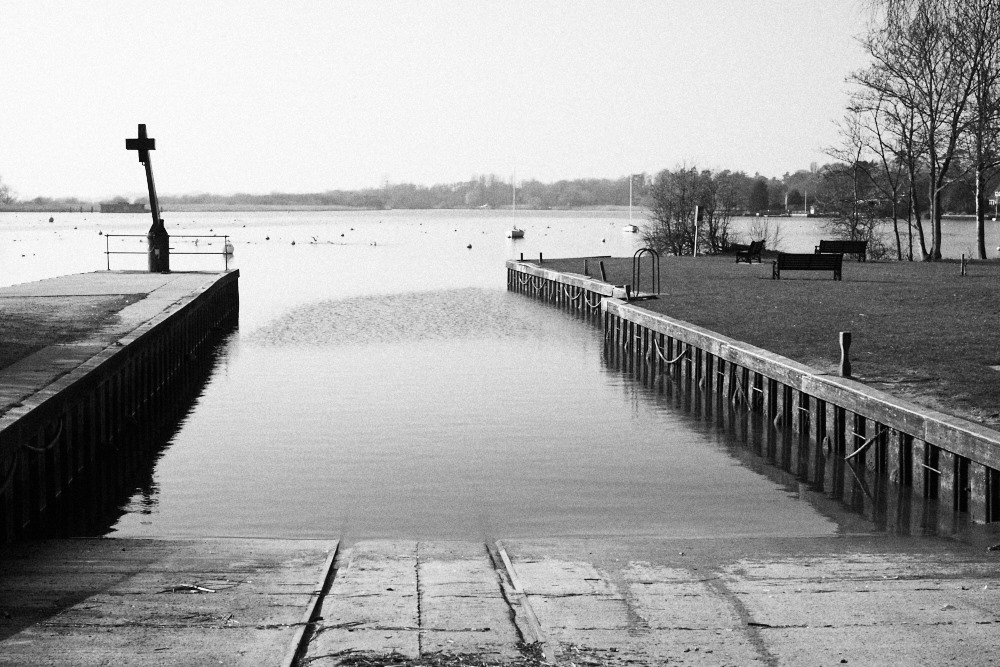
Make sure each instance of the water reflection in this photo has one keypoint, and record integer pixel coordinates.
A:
(121, 479)
(855, 493)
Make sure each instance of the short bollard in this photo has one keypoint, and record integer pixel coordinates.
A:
(845, 351)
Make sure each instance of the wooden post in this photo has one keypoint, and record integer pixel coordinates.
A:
(845, 351)
(604, 276)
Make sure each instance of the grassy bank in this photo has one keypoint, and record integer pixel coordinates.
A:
(920, 330)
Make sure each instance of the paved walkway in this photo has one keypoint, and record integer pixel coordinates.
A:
(151, 602)
(849, 600)
(53, 326)
(861, 600)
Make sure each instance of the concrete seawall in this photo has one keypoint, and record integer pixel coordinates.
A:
(936, 455)
(66, 408)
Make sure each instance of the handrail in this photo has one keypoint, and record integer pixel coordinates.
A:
(226, 255)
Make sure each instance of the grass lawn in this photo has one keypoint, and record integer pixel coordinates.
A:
(920, 330)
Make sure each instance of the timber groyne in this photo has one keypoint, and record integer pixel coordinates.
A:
(836, 420)
(73, 414)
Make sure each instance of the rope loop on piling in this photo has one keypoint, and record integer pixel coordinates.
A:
(523, 278)
(538, 282)
(570, 295)
(52, 442)
(684, 352)
(586, 298)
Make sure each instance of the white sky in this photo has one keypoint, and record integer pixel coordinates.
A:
(300, 96)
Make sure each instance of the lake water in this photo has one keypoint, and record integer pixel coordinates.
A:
(383, 383)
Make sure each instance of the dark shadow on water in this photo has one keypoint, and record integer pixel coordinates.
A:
(125, 468)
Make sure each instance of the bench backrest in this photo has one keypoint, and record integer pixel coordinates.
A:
(821, 261)
(843, 246)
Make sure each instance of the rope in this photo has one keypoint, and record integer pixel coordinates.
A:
(656, 346)
(742, 393)
(586, 298)
(9, 477)
(867, 444)
(538, 282)
(523, 278)
(52, 443)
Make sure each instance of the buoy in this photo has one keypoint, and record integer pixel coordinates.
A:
(52, 219)
(469, 246)
(293, 242)
(267, 238)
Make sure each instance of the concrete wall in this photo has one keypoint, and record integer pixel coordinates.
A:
(56, 440)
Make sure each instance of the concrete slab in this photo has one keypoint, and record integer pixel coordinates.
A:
(372, 605)
(858, 600)
(416, 599)
(62, 308)
(151, 602)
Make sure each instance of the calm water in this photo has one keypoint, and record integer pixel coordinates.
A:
(383, 383)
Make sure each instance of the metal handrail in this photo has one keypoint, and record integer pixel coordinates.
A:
(108, 251)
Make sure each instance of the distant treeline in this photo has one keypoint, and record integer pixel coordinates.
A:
(794, 191)
(492, 191)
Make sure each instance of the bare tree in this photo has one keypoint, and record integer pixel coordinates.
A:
(982, 21)
(924, 60)
(674, 198)
(7, 195)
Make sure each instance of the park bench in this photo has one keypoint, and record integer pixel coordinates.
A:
(859, 248)
(805, 262)
(748, 252)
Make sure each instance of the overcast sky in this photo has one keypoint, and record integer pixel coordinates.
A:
(300, 96)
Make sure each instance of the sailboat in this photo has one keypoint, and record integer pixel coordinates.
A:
(514, 232)
(630, 228)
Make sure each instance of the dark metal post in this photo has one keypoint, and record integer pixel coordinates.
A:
(158, 239)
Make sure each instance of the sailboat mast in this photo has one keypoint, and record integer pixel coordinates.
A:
(513, 194)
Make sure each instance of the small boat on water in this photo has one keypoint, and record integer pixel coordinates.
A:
(630, 229)
(515, 233)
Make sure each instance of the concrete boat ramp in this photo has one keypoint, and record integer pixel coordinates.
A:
(860, 600)
(70, 384)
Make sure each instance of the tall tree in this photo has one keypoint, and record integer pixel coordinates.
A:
(924, 60)
(673, 227)
(759, 200)
(982, 21)
(6, 194)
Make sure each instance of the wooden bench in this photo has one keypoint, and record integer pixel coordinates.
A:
(805, 262)
(748, 252)
(859, 248)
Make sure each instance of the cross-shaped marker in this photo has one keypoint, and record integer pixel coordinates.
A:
(158, 238)
(143, 144)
